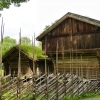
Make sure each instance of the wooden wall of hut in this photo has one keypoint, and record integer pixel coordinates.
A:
(80, 46)
(40, 66)
(83, 65)
(78, 38)
(11, 64)
(75, 34)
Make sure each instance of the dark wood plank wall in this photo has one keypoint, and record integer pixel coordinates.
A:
(41, 66)
(84, 36)
(85, 65)
(12, 61)
(75, 35)
(11, 65)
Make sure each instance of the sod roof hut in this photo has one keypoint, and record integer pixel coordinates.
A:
(10, 62)
(78, 43)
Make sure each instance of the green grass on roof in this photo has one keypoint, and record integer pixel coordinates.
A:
(28, 49)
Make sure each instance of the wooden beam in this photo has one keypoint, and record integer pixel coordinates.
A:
(19, 59)
(33, 50)
(57, 68)
(63, 54)
(73, 34)
(46, 79)
(93, 50)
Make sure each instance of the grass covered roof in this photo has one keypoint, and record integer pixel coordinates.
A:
(27, 50)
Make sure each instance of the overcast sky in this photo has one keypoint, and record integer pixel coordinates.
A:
(33, 16)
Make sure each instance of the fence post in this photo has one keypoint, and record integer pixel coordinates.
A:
(57, 68)
(0, 70)
(2, 33)
(63, 66)
(46, 78)
(19, 67)
(34, 72)
(18, 89)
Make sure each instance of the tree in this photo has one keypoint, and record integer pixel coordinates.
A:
(39, 44)
(46, 27)
(7, 3)
(7, 44)
(25, 41)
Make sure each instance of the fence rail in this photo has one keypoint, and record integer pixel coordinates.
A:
(52, 87)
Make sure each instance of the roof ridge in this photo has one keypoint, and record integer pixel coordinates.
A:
(72, 15)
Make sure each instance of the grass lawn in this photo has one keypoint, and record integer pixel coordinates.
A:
(82, 96)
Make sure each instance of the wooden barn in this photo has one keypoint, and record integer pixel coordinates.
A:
(10, 63)
(73, 45)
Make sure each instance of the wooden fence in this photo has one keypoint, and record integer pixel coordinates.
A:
(51, 87)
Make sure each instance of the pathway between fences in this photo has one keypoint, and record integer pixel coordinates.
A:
(51, 87)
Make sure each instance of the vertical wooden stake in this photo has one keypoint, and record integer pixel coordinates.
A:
(33, 46)
(89, 71)
(81, 67)
(98, 70)
(64, 66)
(46, 79)
(57, 58)
(87, 67)
(57, 68)
(2, 33)
(33, 49)
(34, 72)
(70, 61)
(19, 59)
(96, 66)
(70, 53)
(63, 55)
(76, 57)
(19, 66)
(45, 56)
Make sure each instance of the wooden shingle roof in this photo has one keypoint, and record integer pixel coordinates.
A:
(69, 15)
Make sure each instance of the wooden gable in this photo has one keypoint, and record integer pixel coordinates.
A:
(10, 62)
(76, 33)
(73, 43)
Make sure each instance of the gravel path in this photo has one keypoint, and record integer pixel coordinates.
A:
(92, 99)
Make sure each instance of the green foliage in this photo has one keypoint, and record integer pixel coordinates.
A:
(26, 96)
(90, 95)
(7, 44)
(29, 50)
(39, 44)
(40, 97)
(7, 3)
(46, 27)
(2, 72)
(25, 41)
(82, 96)
(67, 98)
(4, 4)
(3, 81)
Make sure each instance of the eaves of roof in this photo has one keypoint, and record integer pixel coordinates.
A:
(69, 15)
